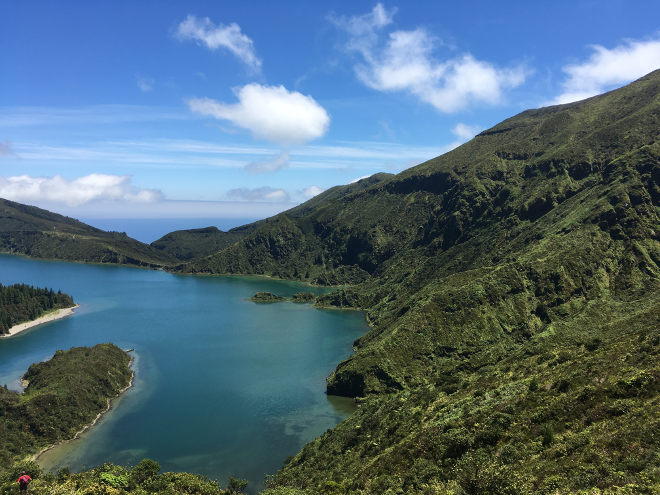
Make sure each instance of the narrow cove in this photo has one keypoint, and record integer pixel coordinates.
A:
(223, 386)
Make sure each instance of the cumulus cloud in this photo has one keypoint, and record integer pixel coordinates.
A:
(273, 165)
(606, 69)
(145, 83)
(6, 149)
(311, 191)
(270, 112)
(404, 61)
(230, 37)
(24, 188)
(260, 194)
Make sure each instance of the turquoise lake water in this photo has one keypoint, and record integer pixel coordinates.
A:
(223, 386)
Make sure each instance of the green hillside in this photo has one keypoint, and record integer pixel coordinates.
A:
(187, 245)
(41, 234)
(513, 289)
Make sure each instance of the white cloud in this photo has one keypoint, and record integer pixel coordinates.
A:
(359, 179)
(267, 194)
(6, 149)
(277, 163)
(270, 112)
(230, 37)
(365, 24)
(311, 191)
(465, 132)
(404, 61)
(82, 190)
(606, 69)
(145, 83)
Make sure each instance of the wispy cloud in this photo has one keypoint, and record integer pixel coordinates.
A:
(270, 112)
(76, 192)
(12, 117)
(404, 61)
(267, 194)
(186, 154)
(608, 68)
(230, 37)
(273, 165)
(145, 83)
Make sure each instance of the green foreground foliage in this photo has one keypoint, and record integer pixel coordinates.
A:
(109, 479)
(20, 303)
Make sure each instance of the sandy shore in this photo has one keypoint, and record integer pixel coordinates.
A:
(55, 315)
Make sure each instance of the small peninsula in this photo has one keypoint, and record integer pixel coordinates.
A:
(23, 306)
(63, 395)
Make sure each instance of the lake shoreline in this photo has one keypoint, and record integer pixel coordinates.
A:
(108, 407)
(47, 318)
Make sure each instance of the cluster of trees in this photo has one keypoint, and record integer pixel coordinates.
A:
(22, 302)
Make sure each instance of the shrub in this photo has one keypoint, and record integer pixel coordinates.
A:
(146, 470)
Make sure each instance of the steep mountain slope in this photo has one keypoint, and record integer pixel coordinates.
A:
(513, 288)
(35, 232)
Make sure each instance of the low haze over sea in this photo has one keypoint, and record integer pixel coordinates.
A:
(150, 229)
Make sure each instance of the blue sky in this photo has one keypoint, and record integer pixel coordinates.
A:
(162, 109)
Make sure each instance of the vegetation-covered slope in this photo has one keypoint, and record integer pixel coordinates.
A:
(517, 275)
(39, 233)
(21, 302)
(187, 245)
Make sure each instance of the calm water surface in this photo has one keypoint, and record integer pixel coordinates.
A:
(223, 386)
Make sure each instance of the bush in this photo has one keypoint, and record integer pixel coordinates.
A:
(236, 485)
(145, 471)
(547, 435)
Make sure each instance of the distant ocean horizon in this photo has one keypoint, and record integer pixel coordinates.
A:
(149, 230)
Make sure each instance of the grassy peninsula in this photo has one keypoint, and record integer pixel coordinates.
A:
(62, 396)
(21, 303)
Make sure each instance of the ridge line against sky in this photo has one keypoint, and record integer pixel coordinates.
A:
(137, 108)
